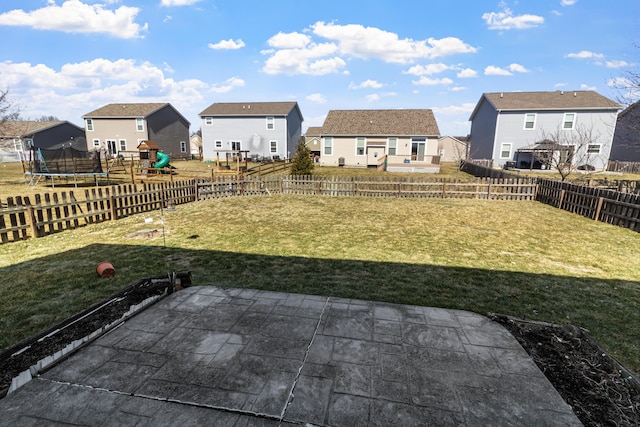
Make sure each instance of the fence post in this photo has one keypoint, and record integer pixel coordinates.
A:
(34, 223)
(112, 207)
(599, 208)
(561, 199)
(489, 189)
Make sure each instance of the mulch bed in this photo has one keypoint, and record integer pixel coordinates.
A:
(600, 391)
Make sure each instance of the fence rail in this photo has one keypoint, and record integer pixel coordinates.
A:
(21, 219)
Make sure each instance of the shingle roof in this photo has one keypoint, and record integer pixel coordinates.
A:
(25, 127)
(314, 131)
(558, 100)
(126, 110)
(380, 122)
(249, 109)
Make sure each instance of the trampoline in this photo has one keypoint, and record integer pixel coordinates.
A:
(65, 162)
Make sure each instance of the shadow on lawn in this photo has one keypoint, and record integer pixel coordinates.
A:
(43, 291)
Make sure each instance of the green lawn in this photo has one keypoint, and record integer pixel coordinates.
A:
(524, 259)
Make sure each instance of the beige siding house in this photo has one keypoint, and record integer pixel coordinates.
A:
(313, 140)
(398, 140)
(120, 128)
(453, 149)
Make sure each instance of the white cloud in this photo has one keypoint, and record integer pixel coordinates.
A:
(426, 81)
(587, 87)
(367, 84)
(452, 110)
(430, 69)
(560, 85)
(227, 45)
(617, 64)
(178, 2)
(370, 42)
(74, 16)
(584, 54)
(505, 20)
(492, 70)
(458, 88)
(289, 41)
(77, 88)
(467, 73)
(373, 97)
(317, 98)
(309, 60)
(568, 2)
(517, 68)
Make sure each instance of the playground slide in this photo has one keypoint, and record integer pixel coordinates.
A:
(163, 160)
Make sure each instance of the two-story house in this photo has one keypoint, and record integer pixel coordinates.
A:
(626, 140)
(523, 127)
(406, 140)
(120, 128)
(21, 135)
(260, 130)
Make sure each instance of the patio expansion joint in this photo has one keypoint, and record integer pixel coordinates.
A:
(304, 360)
(169, 400)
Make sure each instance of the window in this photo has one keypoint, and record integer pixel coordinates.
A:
(327, 144)
(139, 125)
(569, 120)
(89, 123)
(593, 148)
(393, 144)
(183, 147)
(530, 121)
(218, 144)
(505, 150)
(96, 143)
(235, 145)
(270, 123)
(123, 145)
(208, 121)
(274, 146)
(360, 143)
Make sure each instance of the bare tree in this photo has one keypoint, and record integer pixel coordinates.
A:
(8, 110)
(569, 151)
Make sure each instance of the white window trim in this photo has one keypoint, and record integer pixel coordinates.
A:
(599, 146)
(218, 143)
(208, 121)
(139, 125)
(183, 146)
(364, 145)
(89, 125)
(326, 139)
(96, 143)
(395, 147)
(270, 121)
(273, 149)
(120, 143)
(502, 150)
(524, 126)
(573, 123)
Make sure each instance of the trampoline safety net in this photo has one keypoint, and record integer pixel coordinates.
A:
(66, 160)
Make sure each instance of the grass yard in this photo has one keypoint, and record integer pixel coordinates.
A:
(524, 259)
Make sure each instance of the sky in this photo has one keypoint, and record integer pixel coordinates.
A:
(66, 58)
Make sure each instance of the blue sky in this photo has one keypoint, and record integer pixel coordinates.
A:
(68, 57)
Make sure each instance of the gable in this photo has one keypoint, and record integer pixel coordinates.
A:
(23, 128)
(251, 109)
(125, 110)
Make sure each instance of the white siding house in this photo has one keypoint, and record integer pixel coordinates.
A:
(262, 130)
(511, 126)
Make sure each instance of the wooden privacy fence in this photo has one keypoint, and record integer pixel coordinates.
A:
(612, 207)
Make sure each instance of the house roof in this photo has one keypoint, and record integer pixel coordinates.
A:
(380, 122)
(126, 110)
(21, 128)
(313, 131)
(250, 109)
(557, 100)
(629, 109)
(148, 145)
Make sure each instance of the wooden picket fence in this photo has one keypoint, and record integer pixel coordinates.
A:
(23, 218)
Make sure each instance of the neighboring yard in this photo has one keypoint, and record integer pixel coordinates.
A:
(523, 259)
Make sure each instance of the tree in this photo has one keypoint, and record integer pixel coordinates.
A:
(47, 119)
(8, 110)
(569, 151)
(302, 163)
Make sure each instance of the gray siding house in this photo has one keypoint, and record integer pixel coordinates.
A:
(262, 130)
(509, 126)
(119, 128)
(46, 135)
(626, 140)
